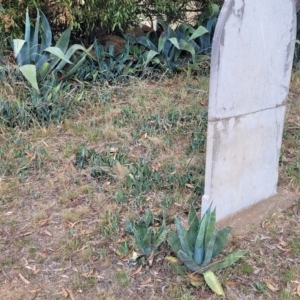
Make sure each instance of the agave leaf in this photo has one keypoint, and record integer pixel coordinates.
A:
(57, 52)
(70, 52)
(35, 40)
(44, 58)
(199, 255)
(199, 245)
(149, 217)
(213, 18)
(221, 239)
(168, 45)
(63, 41)
(197, 48)
(46, 33)
(161, 42)
(183, 238)
(213, 282)
(29, 72)
(174, 241)
(17, 45)
(161, 238)
(43, 71)
(151, 54)
(146, 42)
(211, 226)
(209, 251)
(229, 260)
(179, 270)
(27, 27)
(146, 242)
(187, 47)
(75, 67)
(183, 30)
(143, 237)
(62, 44)
(174, 41)
(198, 32)
(193, 229)
(188, 261)
(163, 23)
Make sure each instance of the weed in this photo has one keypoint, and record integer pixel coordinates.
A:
(260, 287)
(75, 214)
(285, 294)
(121, 277)
(83, 283)
(289, 275)
(102, 253)
(246, 269)
(109, 223)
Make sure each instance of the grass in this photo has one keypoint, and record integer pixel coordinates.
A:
(69, 183)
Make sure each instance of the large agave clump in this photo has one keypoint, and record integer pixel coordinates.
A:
(37, 58)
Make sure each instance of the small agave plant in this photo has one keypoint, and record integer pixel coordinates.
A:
(200, 243)
(147, 237)
(37, 58)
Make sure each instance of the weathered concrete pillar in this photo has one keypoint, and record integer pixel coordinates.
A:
(251, 66)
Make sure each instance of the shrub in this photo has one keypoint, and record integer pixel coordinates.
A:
(90, 16)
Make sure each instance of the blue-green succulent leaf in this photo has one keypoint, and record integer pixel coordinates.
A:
(193, 229)
(213, 282)
(211, 226)
(183, 238)
(188, 261)
(222, 236)
(229, 260)
(174, 241)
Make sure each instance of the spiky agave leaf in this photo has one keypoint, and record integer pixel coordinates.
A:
(229, 260)
(29, 72)
(193, 229)
(222, 236)
(143, 237)
(188, 261)
(200, 241)
(213, 282)
(183, 238)
(173, 241)
(211, 225)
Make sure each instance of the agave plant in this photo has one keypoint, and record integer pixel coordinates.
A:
(147, 237)
(37, 58)
(200, 243)
(208, 20)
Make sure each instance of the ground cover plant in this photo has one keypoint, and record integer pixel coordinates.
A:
(69, 192)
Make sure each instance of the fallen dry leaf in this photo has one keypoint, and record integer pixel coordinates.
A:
(88, 274)
(148, 280)
(283, 244)
(26, 233)
(232, 283)
(8, 213)
(65, 292)
(271, 286)
(195, 280)
(47, 232)
(283, 249)
(172, 259)
(24, 279)
(136, 271)
(71, 294)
